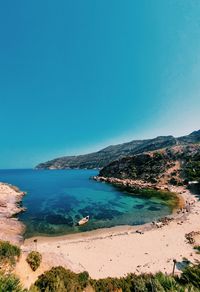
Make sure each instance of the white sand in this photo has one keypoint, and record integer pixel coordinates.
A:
(117, 251)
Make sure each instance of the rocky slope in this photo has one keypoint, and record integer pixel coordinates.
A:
(111, 153)
(173, 165)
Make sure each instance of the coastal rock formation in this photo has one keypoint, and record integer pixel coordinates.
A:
(111, 153)
(135, 184)
(10, 228)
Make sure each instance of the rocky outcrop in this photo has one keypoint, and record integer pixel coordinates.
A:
(133, 184)
(107, 155)
(10, 204)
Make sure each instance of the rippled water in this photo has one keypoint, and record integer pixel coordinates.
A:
(57, 199)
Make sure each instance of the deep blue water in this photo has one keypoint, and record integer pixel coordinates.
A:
(57, 199)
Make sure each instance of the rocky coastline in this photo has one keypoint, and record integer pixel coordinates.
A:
(11, 228)
(134, 184)
(138, 186)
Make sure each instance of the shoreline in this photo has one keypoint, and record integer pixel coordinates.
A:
(138, 185)
(117, 251)
(132, 186)
(183, 194)
(11, 229)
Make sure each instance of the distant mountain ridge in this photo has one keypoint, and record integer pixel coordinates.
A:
(114, 152)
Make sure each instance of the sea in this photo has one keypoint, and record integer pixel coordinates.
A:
(56, 200)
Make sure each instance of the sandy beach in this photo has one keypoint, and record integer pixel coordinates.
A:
(10, 228)
(117, 251)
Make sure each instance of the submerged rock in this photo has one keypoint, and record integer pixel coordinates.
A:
(57, 219)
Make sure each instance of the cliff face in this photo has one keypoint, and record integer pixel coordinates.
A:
(107, 155)
(172, 165)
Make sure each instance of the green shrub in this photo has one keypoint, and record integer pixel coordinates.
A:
(9, 283)
(192, 167)
(9, 252)
(106, 285)
(83, 279)
(167, 282)
(191, 275)
(34, 259)
(154, 285)
(62, 280)
(138, 283)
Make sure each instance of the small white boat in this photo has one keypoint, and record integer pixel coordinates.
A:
(84, 220)
(193, 182)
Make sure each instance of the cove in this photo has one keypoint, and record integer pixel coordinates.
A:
(57, 199)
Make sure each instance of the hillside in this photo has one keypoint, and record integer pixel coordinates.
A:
(111, 153)
(173, 165)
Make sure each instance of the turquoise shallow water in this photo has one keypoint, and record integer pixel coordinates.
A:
(57, 199)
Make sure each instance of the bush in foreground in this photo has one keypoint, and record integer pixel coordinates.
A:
(9, 283)
(191, 274)
(8, 252)
(141, 283)
(62, 280)
(34, 259)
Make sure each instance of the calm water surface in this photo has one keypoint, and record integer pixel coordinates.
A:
(57, 199)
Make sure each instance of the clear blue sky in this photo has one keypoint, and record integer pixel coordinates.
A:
(78, 75)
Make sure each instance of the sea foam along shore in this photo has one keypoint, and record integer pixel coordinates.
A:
(10, 228)
(120, 250)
